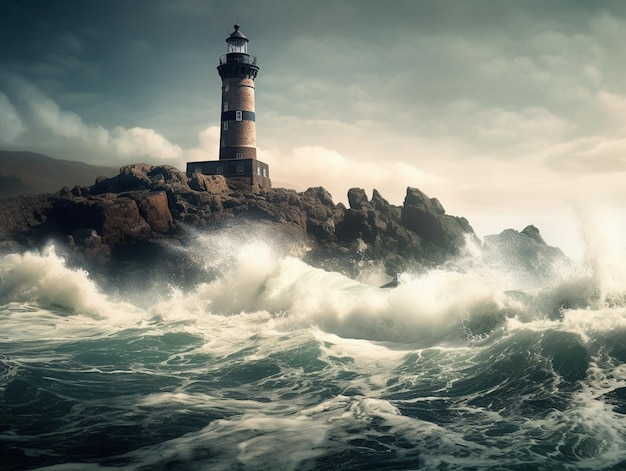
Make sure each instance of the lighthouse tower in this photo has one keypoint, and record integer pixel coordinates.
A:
(238, 70)
(237, 156)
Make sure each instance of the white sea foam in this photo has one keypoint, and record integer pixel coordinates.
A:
(605, 252)
(295, 294)
(258, 278)
(467, 298)
(252, 441)
(44, 280)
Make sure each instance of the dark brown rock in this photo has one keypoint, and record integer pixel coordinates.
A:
(357, 199)
(214, 184)
(122, 222)
(426, 217)
(154, 208)
(87, 238)
(145, 203)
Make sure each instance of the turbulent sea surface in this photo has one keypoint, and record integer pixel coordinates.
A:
(271, 364)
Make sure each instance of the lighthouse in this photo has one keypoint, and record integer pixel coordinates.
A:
(237, 152)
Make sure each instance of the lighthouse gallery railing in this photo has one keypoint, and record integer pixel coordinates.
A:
(237, 58)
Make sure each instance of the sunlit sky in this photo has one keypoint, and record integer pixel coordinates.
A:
(510, 113)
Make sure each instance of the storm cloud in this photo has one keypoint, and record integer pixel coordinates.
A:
(510, 113)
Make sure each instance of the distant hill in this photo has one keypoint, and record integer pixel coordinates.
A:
(24, 173)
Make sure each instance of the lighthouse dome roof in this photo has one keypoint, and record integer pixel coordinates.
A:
(237, 34)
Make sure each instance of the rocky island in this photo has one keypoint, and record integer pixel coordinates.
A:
(132, 222)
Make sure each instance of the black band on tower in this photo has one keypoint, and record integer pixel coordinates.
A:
(232, 116)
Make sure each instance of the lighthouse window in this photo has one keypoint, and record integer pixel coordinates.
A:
(238, 116)
(225, 125)
(239, 155)
(226, 87)
(219, 170)
(258, 170)
(225, 106)
(237, 45)
(239, 168)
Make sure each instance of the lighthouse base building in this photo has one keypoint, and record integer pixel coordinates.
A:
(238, 70)
(251, 171)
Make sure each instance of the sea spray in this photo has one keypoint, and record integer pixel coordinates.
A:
(270, 363)
(428, 305)
(602, 230)
(44, 280)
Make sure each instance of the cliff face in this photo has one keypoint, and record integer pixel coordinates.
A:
(145, 208)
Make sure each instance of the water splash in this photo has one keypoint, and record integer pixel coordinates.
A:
(43, 279)
(605, 253)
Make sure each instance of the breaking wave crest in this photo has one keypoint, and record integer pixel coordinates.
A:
(469, 298)
(468, 366)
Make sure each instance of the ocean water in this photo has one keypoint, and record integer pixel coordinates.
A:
(272, 364)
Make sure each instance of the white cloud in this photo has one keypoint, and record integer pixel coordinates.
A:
(43, 125)
(612, 106)
(593, 154)
(608, 31)
(531, 125)
(48, 115)
(208, 144)
(11, 125)
(319, 166)
(140, 141)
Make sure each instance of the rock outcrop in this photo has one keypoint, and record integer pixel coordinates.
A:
(126, 227)
(145, 208)
(525, 251)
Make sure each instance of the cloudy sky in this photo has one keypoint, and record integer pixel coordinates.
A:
(510, 113)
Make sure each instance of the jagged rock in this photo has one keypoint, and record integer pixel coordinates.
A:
(379, 203)
(533, 233)
(320, 214)
(357, 199)
(427, 218)
(130, 177)
(142, 176)
(355, 225)
(123, 216)
(320, 194)
(214, 184)
(87, 238)
(526, 251)
(154, 208)
(121, 222)
(21, 217)
(65, 192)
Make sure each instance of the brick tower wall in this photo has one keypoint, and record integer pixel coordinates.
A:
(238, 123)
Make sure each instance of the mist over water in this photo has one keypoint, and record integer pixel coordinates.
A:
(270, 363)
